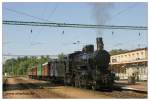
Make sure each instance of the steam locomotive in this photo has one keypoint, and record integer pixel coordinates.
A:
(84, 69)
(89, 68)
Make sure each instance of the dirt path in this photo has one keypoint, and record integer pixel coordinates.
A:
(20, 88)
(79, 93)
(27, 88)
(89, 94)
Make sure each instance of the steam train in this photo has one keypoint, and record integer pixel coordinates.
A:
(84, 69)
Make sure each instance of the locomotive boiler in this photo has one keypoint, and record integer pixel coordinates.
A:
(89, 68)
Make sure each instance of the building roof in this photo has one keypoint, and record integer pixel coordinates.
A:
(138, 49)
(44, 63)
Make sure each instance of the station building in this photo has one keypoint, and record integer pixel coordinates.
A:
(134, 62)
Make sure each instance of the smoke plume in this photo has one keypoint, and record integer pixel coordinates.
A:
(101, 14)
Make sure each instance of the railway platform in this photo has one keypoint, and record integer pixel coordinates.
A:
(138, 86)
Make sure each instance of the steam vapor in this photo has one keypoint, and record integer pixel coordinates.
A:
(101, 14)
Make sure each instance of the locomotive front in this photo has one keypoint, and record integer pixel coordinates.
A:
(89, 68)
(102, 77)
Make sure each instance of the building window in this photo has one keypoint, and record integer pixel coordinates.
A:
(114, 60)
(129, 55)
(118, 57)
(132, 54)
(137, 56)
(141, 53)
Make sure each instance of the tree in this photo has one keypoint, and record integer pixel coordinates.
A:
(21, 65)
(61, 57)
(117, 51)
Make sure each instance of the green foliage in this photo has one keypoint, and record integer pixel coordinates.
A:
(61, 57)
(21, 65)
(117, 51)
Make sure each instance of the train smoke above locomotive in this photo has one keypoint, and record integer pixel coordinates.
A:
(101, 14)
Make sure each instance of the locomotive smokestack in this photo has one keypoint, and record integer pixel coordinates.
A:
(99, 41)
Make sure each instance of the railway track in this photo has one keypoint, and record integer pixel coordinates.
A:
(27, 88)
(21, 88)
(117, 92)
(134, 90)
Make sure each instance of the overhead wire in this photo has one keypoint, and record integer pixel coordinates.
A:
(73, 25)
(52, 12)
(33, 44)
(29, 55)
(121, 11)
(25, 14)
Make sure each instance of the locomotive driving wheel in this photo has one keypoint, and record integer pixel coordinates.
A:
(94, 86)
(77, 81)
(84, 81)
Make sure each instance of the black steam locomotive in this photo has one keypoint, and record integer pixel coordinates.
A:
(85, 69)
(89, 68)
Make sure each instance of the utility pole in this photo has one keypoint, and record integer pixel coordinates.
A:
(22, 69)
(12, 68)
(17, 72)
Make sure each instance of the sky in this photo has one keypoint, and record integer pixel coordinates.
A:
(53, 40)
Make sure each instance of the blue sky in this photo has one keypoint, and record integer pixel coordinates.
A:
(50, 40)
